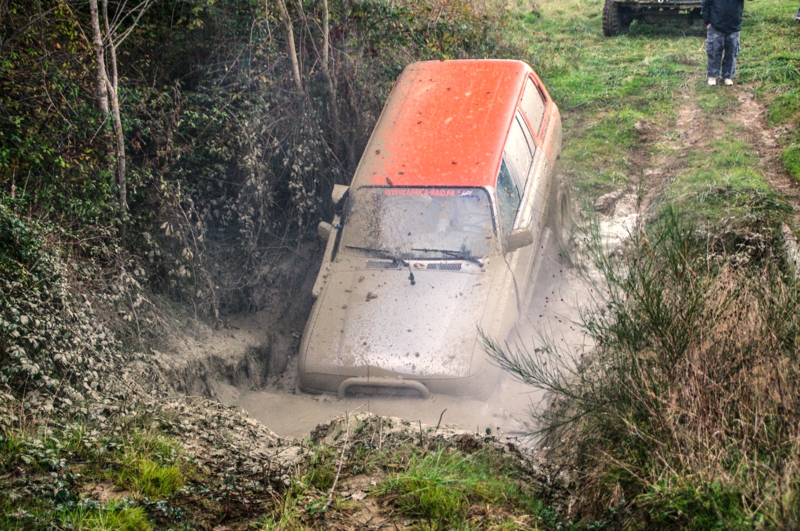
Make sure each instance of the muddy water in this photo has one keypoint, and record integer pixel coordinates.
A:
(553, 308)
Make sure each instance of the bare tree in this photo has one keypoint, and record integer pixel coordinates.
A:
(326, 71)
(117, 29)
(113, 89)
(99, 50)
(287, 22)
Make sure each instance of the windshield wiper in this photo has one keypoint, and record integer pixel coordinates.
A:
(383, 253)
(459, 255)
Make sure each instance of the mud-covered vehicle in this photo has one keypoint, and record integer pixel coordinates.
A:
(618, 14)
(438, 233)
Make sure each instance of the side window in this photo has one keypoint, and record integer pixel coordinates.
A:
(533, 105)
(507, 199)
(518, 152)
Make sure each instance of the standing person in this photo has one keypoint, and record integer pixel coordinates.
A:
(723, 20)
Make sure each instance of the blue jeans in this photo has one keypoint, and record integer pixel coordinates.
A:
(723, 49)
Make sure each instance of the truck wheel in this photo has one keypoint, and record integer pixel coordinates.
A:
(614, 19)
(561, 217)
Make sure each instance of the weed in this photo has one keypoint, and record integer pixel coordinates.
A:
(110, 517)
(322, 468)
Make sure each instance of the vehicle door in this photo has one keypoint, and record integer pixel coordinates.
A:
(513, 203)
(537, 188)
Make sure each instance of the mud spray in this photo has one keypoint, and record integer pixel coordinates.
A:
(553, 311)
(252, 362)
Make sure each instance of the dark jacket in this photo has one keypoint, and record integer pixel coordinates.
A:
(725, 16)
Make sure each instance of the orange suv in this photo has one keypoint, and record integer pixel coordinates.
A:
(438, 234)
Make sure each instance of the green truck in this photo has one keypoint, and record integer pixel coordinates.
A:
(618, 14)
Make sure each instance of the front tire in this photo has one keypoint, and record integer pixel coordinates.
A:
(561, 219)
(615, 19)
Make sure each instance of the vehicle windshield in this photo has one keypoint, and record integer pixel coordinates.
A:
(419, 223)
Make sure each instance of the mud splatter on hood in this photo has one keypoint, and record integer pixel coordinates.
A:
(378, 318)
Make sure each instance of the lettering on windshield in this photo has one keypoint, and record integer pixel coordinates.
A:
(432, 192)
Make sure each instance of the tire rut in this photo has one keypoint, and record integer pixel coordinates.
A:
(752, 117)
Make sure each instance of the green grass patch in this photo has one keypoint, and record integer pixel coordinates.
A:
(717, 100)
(791, 160)
(784, 108)
(677, 503)
(110, 517)
(724, 180)
(444, 486)
(149, 466)
(322, 468)
(46, 475)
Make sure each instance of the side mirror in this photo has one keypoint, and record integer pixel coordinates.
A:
(338, 193)
(324, 229)
(518, 239)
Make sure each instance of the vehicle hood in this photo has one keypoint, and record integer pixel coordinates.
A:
(377, 318)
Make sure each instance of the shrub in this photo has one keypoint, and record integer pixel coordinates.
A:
(50, 345)
(685, 409)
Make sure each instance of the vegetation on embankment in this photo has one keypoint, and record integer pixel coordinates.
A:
(684, 415)
(131, 472)
(229, 159)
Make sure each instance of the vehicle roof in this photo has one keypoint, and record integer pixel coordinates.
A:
(445, 124)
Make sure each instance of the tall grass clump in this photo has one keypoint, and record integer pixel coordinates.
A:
(149, 466)
(685, 412)
(446, 488)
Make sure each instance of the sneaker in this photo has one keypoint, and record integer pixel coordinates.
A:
(712, 81)
(728, 81)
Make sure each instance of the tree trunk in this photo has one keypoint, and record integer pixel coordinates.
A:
(326, 71)
(292, 50)
(326, 36)
(113, 90)
(102, 77)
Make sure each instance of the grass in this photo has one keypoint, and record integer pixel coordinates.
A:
(620, 98)
(726, 180)
(149, 466)
(445, 487)
(45, 473)
(113, 516)
(791, 159)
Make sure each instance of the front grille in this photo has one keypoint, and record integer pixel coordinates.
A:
(445, 267)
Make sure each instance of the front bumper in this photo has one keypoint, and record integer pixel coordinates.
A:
(372, 380)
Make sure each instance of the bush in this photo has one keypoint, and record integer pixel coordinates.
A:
(50, 345)
(685, 411)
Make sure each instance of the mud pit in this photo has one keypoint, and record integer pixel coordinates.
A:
(556, 295)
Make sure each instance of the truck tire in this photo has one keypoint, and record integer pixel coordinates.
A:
(561, 214)
(614, 20)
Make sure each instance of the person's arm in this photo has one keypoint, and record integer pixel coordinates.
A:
(706, 10)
